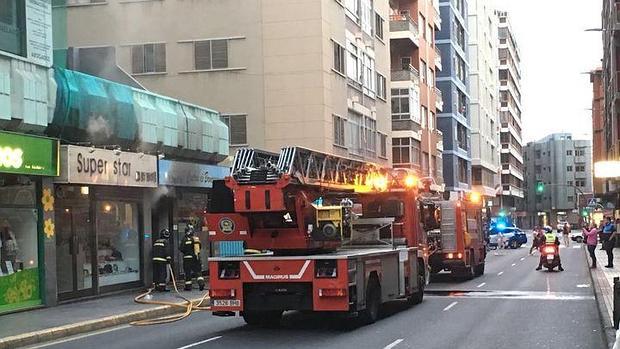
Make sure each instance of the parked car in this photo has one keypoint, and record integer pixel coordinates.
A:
(513, 237)
(576, 235)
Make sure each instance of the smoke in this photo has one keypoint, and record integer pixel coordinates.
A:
(98, 128)
(159, 193)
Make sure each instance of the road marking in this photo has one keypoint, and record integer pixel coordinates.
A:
(522, 258)
(449, 306)
(60, 341)
(482, 284)
(500, 273)
(576, 246)
(201, 342)
(583, 285)
(393, 344)
(513, 264)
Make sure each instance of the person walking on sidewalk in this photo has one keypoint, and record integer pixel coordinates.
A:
(590, 235)
(566, 234)
(610, 244)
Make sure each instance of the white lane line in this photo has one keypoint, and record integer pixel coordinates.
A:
(500, 273)
(449, 306)
(583, 285)
(60, 341)
(513, 264)
(576, 246)
(201, 342)
(522, 258)
(393, 344)
(482, 284)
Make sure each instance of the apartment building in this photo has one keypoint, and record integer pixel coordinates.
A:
(598, 122)
(484, 101)
(511, 152)
(416, 100)
(454, 120)
(309, 73)
(562, 167)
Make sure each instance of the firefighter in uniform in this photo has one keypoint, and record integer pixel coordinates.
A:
(190, 247)
(161, 259)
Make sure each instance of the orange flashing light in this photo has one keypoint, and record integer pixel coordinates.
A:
(475, 197)
(411, 181)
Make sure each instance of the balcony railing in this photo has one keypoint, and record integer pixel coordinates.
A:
(438, 99)
(408, 73)
(403, 22)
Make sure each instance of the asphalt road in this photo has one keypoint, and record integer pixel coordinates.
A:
(510, 306)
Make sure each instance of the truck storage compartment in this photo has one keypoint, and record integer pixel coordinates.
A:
(278, 296)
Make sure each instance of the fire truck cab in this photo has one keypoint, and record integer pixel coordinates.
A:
(285, 243)
(455, 235)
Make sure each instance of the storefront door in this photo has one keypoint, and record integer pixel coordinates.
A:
(74, 252)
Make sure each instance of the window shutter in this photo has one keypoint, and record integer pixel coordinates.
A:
(238, 134)
(149, 59)
(202, 55)
(219, 51)
(137, 59)
(160, 57)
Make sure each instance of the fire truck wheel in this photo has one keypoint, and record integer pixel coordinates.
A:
(263, 318)
(417, 297)
(373, 302)
(480, 269)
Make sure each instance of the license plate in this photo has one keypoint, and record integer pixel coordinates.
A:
(550, 257)
(226, 303)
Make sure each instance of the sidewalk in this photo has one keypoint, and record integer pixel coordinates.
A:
(46, 324)
(603, 279)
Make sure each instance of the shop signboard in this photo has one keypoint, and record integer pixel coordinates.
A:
(83, 165)
(28, 155)
(186, 174)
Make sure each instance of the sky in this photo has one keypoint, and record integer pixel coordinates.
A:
(555, 51)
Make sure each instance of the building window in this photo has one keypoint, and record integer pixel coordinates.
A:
(569, 199)
(13, 27)
(381, 86)
(383, 145)
(339, 126)
(339, 57)
(379, 26)
(405, 152)
(400, 104)
(211, 54)
(537, 153)
(370, 78)
(580, 152)
(569, 183)
(353, 9)
(569, 168)
(569, 152)
(367, 16)
(237, 129)
(423, 27)
(354, 70)
(537, 169)
(431, 121)
(424, 116)
(461, 134)
(580, 168)
(423, 71)
(148, 58)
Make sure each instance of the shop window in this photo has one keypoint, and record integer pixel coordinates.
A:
(13, 29)
(118, 247)
(19, 272)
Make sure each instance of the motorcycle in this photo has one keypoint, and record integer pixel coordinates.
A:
(551, 256)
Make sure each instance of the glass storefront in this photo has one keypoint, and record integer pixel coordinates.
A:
(118, 242)
(19, 258)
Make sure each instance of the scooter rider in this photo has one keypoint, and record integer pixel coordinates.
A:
(161, 259)
(550, 239)
(190, 247)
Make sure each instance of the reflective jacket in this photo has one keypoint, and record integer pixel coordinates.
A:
(550, 238)
(190, 246)
(161, 251)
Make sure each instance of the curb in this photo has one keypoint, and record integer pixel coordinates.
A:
(607, 326)
(54, 333)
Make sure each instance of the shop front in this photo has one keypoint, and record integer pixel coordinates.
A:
(27, 164)
(102, 204)
(184, 190)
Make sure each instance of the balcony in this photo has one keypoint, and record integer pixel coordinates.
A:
(408, 73)
(513, 170)
(439, 137)
(436, 15)
(438, 99)
(403, 27)
(438, 58)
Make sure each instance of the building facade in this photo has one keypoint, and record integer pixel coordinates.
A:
(455, 119)
(416, 100)
(598, 122)
(307, 73)
(484, 99)
(511, 151)
(558, 172)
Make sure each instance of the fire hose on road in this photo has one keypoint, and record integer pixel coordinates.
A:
(188, 305)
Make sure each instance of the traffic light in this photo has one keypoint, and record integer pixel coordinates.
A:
(540, 187)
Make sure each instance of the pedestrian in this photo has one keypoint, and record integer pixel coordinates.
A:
(190, 247)
(610, 244)
(590, 235)
(608, 229)
(536, 239)
(161, 259)
(566, 234)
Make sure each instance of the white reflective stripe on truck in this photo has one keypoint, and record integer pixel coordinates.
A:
(277, 276)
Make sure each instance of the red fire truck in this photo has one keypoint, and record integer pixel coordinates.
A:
(311, 231)
(455, 234)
